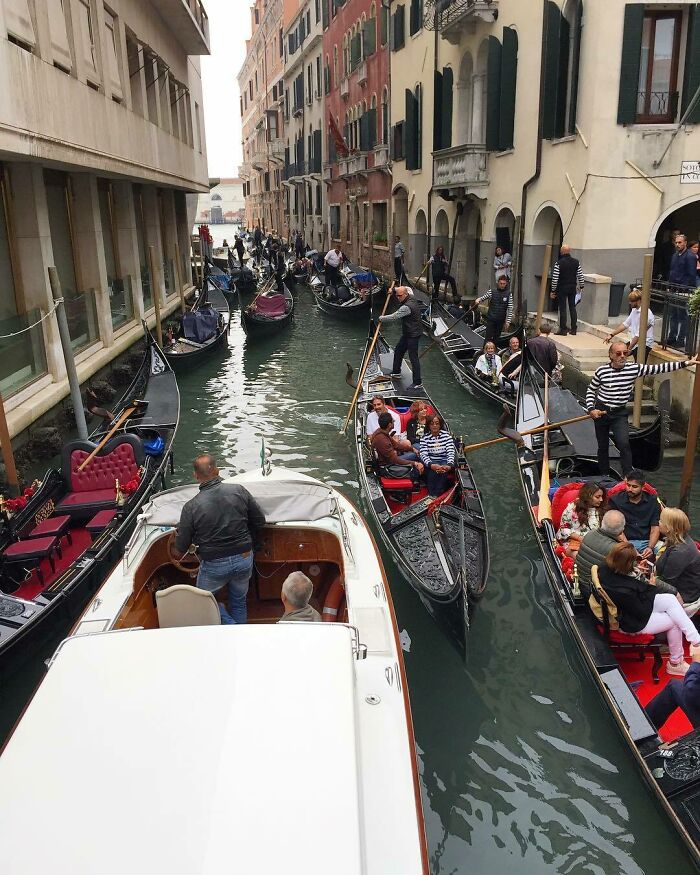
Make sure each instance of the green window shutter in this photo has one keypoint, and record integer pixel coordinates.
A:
(318, 150)
(509, 76)
(629, 65)
(562, 92)
(691, 78)
(418, 107)
(551, 71)
(446, 134)
(364, 132)
(575, 62)
(370, 34)
(416, 16)
(410, 144)
(372, 129)
(324, 14)
(437, 106)
(384, 25)
(399, 19)
(493, 94)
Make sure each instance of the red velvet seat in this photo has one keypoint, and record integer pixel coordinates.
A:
(56, 526)
(100, 521)
(88, 497)
(618, 637)
(395, 484)
(31, 552)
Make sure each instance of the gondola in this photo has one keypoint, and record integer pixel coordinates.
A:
(202, 331)
(58, 548)
(669, 761)
(268, 313)
(462, 345)
(346, 302)
(441, 546)
(223, 281)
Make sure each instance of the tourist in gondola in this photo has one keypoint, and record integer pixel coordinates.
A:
(543, 349)
(647, 607)
(641, 511)
(513, 349)
(488, 364)
(596, 545)
(441, 272)
(606, 401)
(683, 694)
(387, 447)
(417, 425)
(409, 312)
(581, 516)
(509, 371)
(500, 313)
(379, 407)
(437, 452)
(678, 562)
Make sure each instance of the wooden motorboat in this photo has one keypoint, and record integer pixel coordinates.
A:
(268, 313)
(58, 549)
(185, 725)
(202, 331)
(622, 667)
(441, 546)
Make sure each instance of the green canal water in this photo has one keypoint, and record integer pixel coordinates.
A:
(521, 766)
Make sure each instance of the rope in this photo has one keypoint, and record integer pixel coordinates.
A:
(33, 325)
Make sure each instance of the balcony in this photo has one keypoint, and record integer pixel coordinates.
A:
(451, 17)
(327, 172)
(189, 22)
(353, 165)
(297, 109)
(362, 73)
(381, 156)
(345, 88)
(314, 166)
(245, 170)
(462, 167)
(275, 149)
(259, 160)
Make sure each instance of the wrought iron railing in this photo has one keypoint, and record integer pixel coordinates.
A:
(679, 330)
(657, 105)
(443, 14)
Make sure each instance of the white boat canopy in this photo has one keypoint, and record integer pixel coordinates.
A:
(190, 751)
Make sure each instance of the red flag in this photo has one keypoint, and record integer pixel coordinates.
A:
(341, 147)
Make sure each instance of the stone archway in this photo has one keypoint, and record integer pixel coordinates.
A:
(418, 244)
(547, 228)
(400, 210)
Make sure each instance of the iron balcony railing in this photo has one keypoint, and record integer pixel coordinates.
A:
(679, 330)
(447, 15)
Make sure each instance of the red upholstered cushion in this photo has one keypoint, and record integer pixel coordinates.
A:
(29, 549)
(52, 526)
(89, 496)
(405, 417)
(101, 520)
(102, 471)
(396, 485)
(563, 496)
(617, 637)
(618, 487)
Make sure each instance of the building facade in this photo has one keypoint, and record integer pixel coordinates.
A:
(261, 86)
(223, 204)
(100, 139)
(305, 203)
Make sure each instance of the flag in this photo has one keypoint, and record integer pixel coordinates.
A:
(341, 147)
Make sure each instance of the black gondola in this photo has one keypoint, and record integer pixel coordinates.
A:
(346, 302)
(669, 762)
(266, 314)
(201, 331)
(57, 550)
(425, 536)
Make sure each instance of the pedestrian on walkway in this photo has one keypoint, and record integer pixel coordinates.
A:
(500, 313)
(632, 323)
(567, 282)
(441, 272)
(399, 254)
(606, 401)
(682, 277)
(502, 264)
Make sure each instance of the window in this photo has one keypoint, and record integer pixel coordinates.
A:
(563, 39)
(416, 16)
(134, 56)
(379, 223)
(657, 97)
(142, 238)
(334, 215)
(398, 29)
(18, 22)
(87, 41)
(151, 87)
(442, 109)
(60, 49)
(385, 117)
(383, 25)
(413, 132)
(112, 58)
(174, 96)
(119, 288)
(281, 43)
(198, 122)
(398, 152)
(365, 222)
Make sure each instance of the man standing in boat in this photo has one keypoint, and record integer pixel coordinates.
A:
(409, 313)
(220, 521)
(500, 312)
(606, 401)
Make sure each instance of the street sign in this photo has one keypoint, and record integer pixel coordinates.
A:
(690, 173)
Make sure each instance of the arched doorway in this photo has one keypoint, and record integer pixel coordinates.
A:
(441, 233)
(420, 243)
(685, 219)
(547, 228)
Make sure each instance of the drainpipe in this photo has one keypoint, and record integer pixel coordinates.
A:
(538, 161)
(432, 169)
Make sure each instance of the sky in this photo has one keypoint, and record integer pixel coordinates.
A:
(229, 26)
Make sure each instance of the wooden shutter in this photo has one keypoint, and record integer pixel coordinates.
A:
(60, 49)
(18, 22)
(398, 139)
(324, 14)
(437, 110)
(410, 129)
(509, 76)
(383, 25)
(318, 150)
(562, 78)
(629, 65)
(493, 94)
(575, 62)
(415, 17)
(364, 132)
(446, 135)
(370, 33)
(691, 78)
(551, 71)
(399, 20)
(110, 56)
(372, 124)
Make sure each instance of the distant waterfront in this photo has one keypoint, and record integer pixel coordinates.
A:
(219, 232)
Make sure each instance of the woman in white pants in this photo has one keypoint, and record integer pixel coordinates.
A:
(647, 608)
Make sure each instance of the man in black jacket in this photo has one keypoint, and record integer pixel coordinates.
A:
(409, 312)
(543, 349)
(220, 521)
(500, 313)
(567, 281)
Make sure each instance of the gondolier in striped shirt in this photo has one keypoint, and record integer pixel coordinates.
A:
(606, 401)
(500, 309)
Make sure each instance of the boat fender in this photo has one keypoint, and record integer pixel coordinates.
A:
(334, 600)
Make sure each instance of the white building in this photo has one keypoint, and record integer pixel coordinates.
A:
(224, 203)
(100, 139)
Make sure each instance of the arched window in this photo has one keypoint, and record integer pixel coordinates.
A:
(385, 117)
(336, 81)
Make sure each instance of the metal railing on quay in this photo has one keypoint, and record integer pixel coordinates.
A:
(679, 330)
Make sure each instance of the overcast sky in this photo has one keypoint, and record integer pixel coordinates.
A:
(228, 29)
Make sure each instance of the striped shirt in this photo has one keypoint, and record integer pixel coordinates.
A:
(438, 449)
(612, 387)
(487, 297)
(555, 277)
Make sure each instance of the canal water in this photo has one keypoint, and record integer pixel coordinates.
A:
(521, 766)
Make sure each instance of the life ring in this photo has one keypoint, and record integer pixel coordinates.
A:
(334, 602)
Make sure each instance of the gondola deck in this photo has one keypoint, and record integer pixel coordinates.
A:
(184, 352)
(257, 324)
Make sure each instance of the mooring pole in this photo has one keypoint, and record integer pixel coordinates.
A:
(8, 456)
(72, 373)
(691, 443)
(156, 293)
(178, 270)
(642, 339)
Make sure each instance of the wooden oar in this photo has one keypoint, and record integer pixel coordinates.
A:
(544, 507)
(133, 407)
(366, 362)
(537, 430)
(449, 328)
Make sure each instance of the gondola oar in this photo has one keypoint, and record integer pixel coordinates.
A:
(449, 328)
(132, 408)
(517, 436)
(544, 507)
(366, 362)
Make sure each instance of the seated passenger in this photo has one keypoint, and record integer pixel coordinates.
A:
(417, 424)
(386, 447)
(487, 364)
(297, 589)
(437, 452)
(509, 372)
(683, 694)
(647, 607)
(581, 516)
(596, 545)
(379, 407)
(513, 349)
(641, 512)
(459, 310)
(679, 560)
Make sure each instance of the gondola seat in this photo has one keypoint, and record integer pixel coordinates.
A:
(29, 554)
(564, 495)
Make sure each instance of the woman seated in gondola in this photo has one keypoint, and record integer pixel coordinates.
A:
(647, 608)
(488, 363)
(437, 452)
(417, 425)
(580, 516)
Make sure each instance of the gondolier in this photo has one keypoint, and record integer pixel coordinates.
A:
(606, 401)
(409, 313)
(332, 262)
(500, 312)
(240, 249)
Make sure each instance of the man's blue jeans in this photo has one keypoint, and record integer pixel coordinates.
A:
(234, 573)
